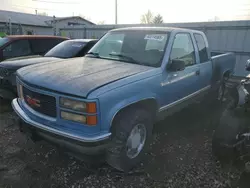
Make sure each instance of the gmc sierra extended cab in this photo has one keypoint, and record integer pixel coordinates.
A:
(107, 102)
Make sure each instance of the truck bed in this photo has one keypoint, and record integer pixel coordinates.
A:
(222, 61)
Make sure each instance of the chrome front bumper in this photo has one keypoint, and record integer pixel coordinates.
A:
(45, 128)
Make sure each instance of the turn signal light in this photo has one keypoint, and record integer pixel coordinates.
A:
(91, 120)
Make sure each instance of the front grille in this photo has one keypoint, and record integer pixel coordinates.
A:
(41, 103)
(4, 72)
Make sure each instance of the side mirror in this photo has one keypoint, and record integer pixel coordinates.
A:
(177, 65)
(248, 65)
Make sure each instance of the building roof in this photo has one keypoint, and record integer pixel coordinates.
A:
(31, 19)
(24, 18)
(72, 17)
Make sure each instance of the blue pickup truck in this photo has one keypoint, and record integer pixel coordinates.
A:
(108, 101)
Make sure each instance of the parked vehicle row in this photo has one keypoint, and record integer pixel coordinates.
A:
(64, 50)
(108, 101)
(27, 45)
(231, 139)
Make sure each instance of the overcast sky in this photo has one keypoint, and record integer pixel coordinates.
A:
(130, 11)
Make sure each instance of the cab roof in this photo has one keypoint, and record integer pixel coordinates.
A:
(34, 36)
(83, 40)
(166, 29)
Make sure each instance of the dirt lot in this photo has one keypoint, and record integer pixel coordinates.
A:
(180, 157)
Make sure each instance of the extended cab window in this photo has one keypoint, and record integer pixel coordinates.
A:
(183, 49)
(133, 46)
(202, 48)
(16, 49)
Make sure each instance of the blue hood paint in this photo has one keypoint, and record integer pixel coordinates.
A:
(78, 76)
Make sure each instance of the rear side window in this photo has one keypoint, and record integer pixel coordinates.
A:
(16, 49)
(202, 47)
(41, 46)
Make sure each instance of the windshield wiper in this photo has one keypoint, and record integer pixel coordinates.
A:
(95, 54)
(131, 59)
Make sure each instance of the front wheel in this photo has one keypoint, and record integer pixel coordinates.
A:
(131, 132)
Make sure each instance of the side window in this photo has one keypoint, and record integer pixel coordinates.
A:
(16, 49)
(202, 47)
(88, 46)
(183, 49)
(41, 46)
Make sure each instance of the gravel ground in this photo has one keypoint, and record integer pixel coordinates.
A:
(180, 156)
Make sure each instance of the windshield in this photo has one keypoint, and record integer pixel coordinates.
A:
(66, 49)
(3, 41)
(139, 47)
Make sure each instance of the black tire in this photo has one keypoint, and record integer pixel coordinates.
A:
(230, 125)
(121, 128)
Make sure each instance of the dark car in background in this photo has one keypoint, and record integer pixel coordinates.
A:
(64, 50)
(27, 45)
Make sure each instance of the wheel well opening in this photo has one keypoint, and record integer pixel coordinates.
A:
(226, 74)
(148, 104)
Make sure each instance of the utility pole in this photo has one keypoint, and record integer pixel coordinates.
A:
(10, 27)
(54, 25)
(116, 12)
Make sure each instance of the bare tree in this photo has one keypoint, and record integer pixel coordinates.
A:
(42, 13)
(158, 19)
(101, 22)
(147, 18)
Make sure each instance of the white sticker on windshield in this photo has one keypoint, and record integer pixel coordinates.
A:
(157, 37)
(77, 45)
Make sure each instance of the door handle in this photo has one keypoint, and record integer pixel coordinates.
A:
(197, 72)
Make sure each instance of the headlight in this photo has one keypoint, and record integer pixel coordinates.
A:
(78, 105)
(73, 117)
(73, 104)
(88, 120)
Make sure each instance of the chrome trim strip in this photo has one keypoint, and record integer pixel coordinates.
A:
(178, 78)
(26, 119)
(183, 99)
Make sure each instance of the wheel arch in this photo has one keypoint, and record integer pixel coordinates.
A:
(150, 104)
(226, 73)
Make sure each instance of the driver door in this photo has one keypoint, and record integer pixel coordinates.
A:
(180, 86)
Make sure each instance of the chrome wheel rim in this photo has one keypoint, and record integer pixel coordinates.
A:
(136, 141)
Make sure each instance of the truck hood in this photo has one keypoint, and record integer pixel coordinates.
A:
(16, 64)
(78, 76)
(22, 57)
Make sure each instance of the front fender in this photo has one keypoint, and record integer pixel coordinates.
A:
(125, 103)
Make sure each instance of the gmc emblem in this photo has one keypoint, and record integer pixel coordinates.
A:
(33, 101)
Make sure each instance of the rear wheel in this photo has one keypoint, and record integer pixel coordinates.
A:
(131, 132)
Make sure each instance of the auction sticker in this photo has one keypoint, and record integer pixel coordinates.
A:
(157, 37)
